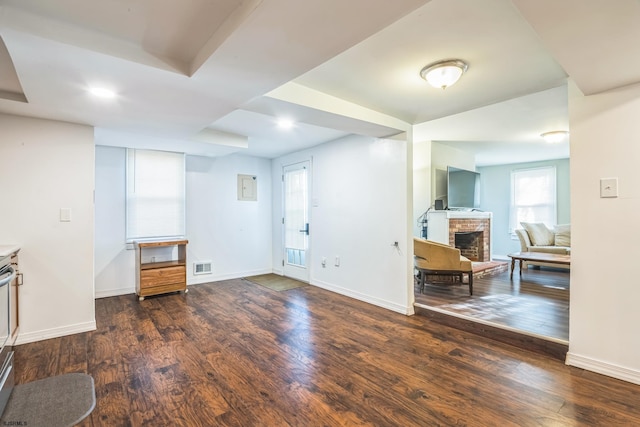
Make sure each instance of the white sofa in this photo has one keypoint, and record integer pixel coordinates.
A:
(537, 237)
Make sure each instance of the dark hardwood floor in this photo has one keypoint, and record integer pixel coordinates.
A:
(238, 354)
(536, 303)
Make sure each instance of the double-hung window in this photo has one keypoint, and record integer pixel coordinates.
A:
(155, 195)
(533, 196)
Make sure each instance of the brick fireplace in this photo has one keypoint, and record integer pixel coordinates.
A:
(474, 229)
(472, 236)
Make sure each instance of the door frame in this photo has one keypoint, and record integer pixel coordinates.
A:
(306, 271)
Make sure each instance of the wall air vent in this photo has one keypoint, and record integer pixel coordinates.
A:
(203, 267)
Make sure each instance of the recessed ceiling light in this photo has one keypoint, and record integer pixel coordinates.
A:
(285, 123)
(102, 92)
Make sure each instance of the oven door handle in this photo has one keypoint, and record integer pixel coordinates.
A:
(7, 280)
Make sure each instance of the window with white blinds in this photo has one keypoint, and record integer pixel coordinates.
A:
(155, 194)
(533, 196)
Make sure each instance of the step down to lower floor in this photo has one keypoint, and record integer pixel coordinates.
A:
(548, 347)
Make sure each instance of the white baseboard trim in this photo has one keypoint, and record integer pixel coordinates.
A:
(106, 293)
(25, 338)
(604, 368)
(398, 308)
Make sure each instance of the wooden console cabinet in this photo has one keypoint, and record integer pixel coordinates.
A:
(154, 278)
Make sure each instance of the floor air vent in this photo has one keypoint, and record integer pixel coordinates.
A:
(202, 267)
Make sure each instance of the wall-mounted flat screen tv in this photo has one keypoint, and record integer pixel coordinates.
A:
(463, 188)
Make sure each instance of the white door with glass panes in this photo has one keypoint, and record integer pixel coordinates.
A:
(295, 222)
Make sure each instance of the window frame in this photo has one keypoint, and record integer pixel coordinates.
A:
(550, 219)
(131, 173)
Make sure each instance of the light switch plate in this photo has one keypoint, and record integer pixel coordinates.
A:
(65, 215)
(608, 187)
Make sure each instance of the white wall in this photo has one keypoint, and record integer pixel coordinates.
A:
(234, 235)
(604, 316)
(361, 190)
(421, 183)
(49, 165)
(114, 263)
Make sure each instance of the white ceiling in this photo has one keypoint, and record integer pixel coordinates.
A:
(213, 77)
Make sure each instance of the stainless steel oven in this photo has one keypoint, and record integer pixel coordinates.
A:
(7, 275)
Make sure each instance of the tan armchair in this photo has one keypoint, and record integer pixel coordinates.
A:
(433, 258)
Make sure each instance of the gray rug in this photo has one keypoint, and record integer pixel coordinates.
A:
(64, 400)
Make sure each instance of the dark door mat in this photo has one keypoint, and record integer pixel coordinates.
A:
(62, 400)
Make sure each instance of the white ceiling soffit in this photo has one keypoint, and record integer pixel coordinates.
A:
(267, 139)
(10, 87)
(286, 38)
(332, 113)
(217, 137)
(596, 41)
(278, 41)
(174, 35)
(55, 78)
(115, 138)
(490, 35)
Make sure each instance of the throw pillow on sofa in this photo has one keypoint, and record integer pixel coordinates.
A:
(563, 235)
(539, 234)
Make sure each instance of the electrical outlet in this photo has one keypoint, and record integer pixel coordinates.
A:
(337, 261)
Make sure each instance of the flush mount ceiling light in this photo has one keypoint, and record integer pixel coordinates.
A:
(554, 136)
(443, 74)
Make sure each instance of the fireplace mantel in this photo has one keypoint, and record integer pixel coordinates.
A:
(462, 214)
(442, 226)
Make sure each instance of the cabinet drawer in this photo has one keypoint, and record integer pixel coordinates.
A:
(162, 276)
